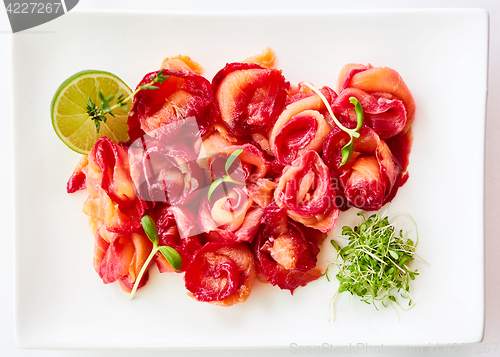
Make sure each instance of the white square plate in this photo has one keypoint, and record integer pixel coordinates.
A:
(442, 56)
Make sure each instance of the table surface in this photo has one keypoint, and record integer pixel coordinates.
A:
(491, 342)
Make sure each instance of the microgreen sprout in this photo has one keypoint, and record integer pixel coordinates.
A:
(353, 133)
(375, 261)
(98, 113)
(226, 177)
(348, 148)
(169, 253)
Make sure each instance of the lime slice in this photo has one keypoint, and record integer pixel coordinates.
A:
(70, 119)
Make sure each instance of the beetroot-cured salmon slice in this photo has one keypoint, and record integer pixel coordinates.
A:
(286, 251)
(122, 259)
(249, 97)
(162, 172)
(371, 175)
(112, 201)
(305, 192)
(302, 126)
(221, 274)
(176, 228)
(387, 116)
(381, 82)
(184, 94)
(77, 180)
(230, 217)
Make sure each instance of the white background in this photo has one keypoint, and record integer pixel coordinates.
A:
(492, 173)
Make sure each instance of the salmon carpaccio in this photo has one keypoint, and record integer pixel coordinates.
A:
(242, 173)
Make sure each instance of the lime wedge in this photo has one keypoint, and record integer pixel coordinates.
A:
(70, 119)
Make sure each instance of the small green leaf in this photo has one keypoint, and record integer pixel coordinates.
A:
(110, 98)
(359, 112)
(97, 125)
(172, 256)
(160, 78)
(149, 86)
(150, 228)
(394, 254)
(347, 250)
(403, 260)
(346, 152)
(231, 159)
(213, 186)
(228, 178)
(90, 106)
(335, 245)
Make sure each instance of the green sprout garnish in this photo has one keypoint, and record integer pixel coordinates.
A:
(348, 148)
(226, 177)
(169, 253)
(353, 133)
(98, 113)
(375, 261)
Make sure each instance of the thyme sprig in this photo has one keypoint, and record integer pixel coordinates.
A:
(226, 177)
(98, 113)
(159, 78)
(172, 256)
(375, 261)
(353, 133)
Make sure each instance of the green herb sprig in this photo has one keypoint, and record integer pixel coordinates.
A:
(159, 78)
(353, 133)
(169, 253)
(375, 261)
(98, 113)
(226, 177)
